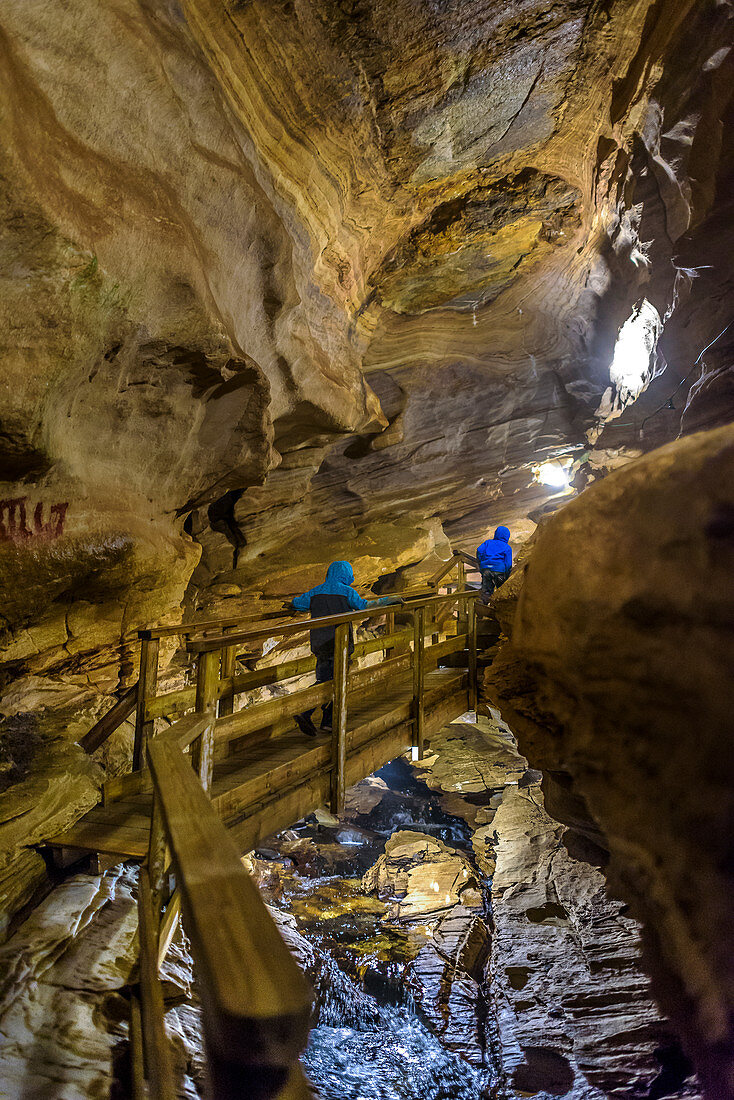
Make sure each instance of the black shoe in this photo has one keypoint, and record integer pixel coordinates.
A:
(326, 727)
(305, 725)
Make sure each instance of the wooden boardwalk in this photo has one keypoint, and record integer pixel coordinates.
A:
(211, 781)
(273, 782)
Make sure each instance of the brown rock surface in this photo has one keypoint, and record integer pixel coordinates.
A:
(422, 877)
(570, 1010)
(385, 246)
(616, 676)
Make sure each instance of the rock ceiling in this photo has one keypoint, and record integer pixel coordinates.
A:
(293, 279)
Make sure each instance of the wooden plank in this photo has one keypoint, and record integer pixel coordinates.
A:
(226, 696)
(177, 702)
(147, 684)
(120, 840)
(280, 812)
(187, 729)
(137, 1058)
(436, 653)
(471, 625)
(110, 721)
(169, 923)
(256, 1004)
(119, 813)
(445, 710)
(266, 714)
(198, 626)
(125, 786)
(375, 754)
(202, 645)
(155, 1042)
(256, 780)
(157, 861)
(250, 790)
(170, 703)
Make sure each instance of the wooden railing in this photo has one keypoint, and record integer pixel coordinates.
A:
(136, 698)
(256, 1004)
(215, 654)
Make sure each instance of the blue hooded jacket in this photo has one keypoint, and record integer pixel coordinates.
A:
(334, 597)
(496, 554)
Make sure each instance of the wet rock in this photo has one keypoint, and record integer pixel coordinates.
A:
(62, 1016)
(572, 1005)
(421, 876)
(446, 979)
(61, 783)
(362, 799)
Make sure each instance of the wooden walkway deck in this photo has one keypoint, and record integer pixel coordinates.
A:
(273, 782)
(210, 782)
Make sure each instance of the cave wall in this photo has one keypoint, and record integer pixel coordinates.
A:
(286, 281)
(615, 677)
(316, 256)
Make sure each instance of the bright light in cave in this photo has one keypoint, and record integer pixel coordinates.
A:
(555, 475)
(633, 352)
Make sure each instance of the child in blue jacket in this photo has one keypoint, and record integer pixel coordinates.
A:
(495, 561)
(334, 597)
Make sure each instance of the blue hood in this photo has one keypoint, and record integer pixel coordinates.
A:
(341, 572)
(502, 533)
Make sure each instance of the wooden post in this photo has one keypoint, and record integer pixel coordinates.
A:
(471, 629)
(419, 673)
(147, 686)
(461, 625)
(226, 703)
(157, 865)
(339, 719)
(155, 1040)
(389, 628)
(207, 690)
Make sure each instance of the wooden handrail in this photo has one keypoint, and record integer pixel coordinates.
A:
(455, 559)
(303, 626)
(109, 722)
(256, 1004)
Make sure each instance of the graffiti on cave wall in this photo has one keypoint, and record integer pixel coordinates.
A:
(21, 522)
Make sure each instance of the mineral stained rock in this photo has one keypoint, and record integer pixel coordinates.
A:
(62, 1015)
(615, 680)
(422, 875)
(314, 274)
(569, 1007)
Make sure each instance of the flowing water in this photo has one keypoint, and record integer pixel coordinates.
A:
(368, 1042)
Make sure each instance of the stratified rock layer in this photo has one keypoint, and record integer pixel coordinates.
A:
(616, 680)
(570, 1010)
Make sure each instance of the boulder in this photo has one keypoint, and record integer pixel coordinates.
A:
(615, 680)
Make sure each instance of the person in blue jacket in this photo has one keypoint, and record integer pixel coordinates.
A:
(334, 597)
(495, 561)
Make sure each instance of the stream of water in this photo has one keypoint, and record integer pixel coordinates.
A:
(368, 1042)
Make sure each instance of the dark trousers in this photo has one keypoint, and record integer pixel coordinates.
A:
(491, 579)
(324, 673)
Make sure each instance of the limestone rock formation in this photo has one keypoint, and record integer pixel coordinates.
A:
(302, 257)
(446, 980)
(615, 679)
(570, 1009)
(422, 877)
(293, 280)
(62, 1015)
